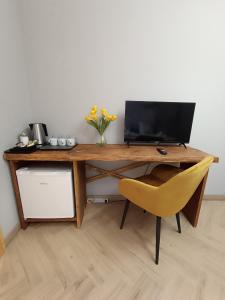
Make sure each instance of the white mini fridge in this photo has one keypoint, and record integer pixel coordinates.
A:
(46, 192)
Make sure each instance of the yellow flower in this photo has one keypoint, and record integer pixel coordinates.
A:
(103, 111)
(87, 118)
(94, 108)
(109, 117)
(93, 116)
(93, 112)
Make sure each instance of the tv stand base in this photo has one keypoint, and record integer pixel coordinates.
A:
(155, 144)
(183, 145)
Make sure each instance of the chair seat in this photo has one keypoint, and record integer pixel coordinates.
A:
(160, 175)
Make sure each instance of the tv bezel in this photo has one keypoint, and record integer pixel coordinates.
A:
(153, 142)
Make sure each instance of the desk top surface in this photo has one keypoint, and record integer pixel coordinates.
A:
(115, 152)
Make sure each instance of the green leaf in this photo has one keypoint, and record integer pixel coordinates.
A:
(93, 123)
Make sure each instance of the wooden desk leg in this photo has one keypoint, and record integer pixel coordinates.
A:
(2, 244)
(13, 167)
(80, 190)
(193, 207)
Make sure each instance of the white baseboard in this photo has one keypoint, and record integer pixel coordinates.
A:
(110, 198)
(113, 198)
(12, 234)
(214, 197)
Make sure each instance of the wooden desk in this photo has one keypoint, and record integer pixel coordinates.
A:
(81, 154)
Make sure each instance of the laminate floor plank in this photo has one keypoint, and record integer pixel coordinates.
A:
(101, 262)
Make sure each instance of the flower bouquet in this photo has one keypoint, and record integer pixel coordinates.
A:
(100, 122)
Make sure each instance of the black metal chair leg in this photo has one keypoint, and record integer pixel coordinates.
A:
(125, 213)
(178, 222)
(158, 229)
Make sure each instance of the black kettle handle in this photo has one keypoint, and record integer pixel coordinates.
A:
(45, 129)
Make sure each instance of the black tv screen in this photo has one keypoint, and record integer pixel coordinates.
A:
(152, 121)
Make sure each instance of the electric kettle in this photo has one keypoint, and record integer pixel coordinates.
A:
(39, 132)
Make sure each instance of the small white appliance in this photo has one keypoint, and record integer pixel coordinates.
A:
(46, 192)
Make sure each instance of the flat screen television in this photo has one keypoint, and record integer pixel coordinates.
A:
(156, 121)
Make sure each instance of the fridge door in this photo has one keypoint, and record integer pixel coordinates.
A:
(46, 192)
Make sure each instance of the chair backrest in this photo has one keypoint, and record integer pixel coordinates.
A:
(170, 197)
(179, 189)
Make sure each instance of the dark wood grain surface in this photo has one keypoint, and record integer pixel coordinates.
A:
(86, 152)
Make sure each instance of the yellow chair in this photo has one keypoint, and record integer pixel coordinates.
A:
(164, 192)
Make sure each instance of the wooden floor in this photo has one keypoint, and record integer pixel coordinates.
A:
(100, 262)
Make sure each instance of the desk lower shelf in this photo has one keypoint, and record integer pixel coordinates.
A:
(35, 220)
(79, 192)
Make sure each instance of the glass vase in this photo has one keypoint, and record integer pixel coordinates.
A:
(102, 140)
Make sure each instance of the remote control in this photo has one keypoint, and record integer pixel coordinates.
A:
(161, 151)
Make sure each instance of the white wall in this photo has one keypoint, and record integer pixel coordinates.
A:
(84, 52)
(15, 110)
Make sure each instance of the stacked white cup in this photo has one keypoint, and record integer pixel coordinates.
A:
(70, 142)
